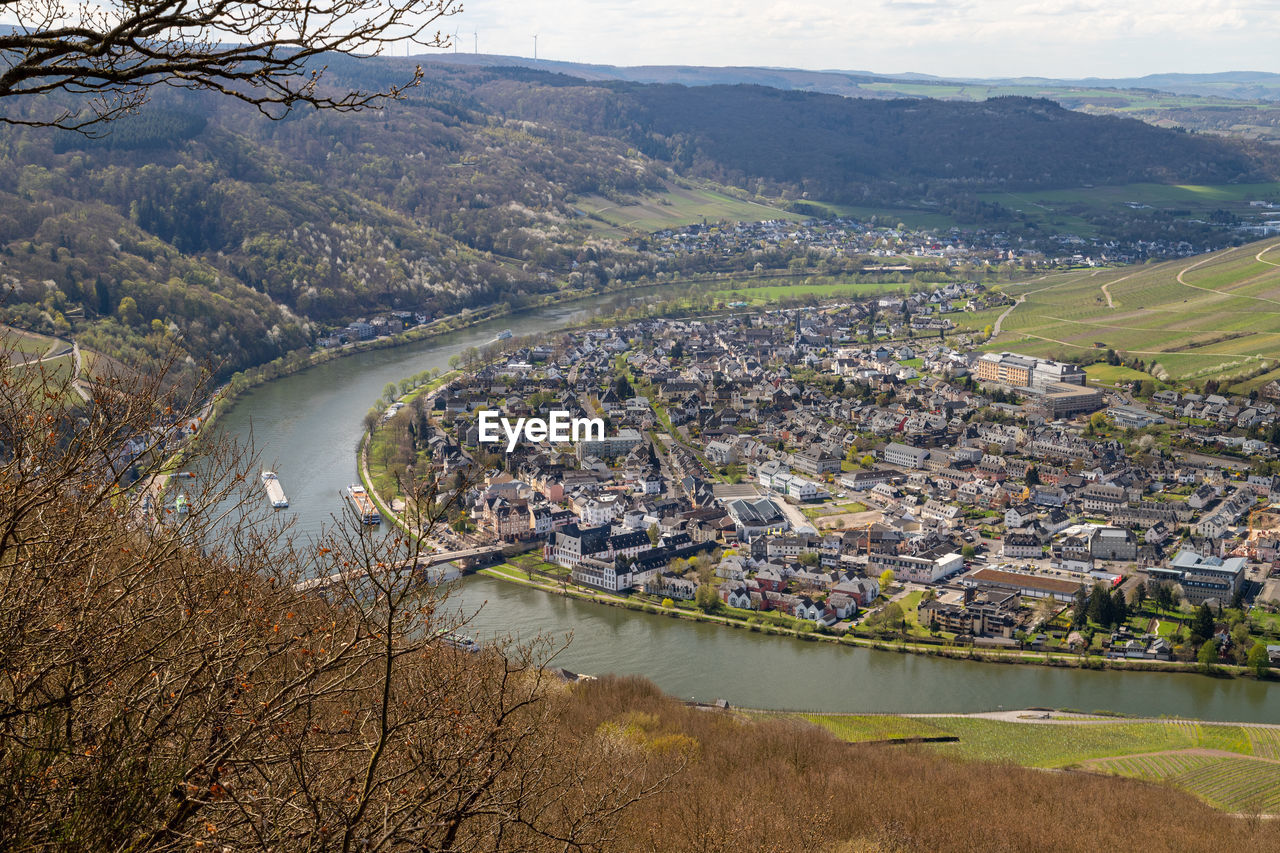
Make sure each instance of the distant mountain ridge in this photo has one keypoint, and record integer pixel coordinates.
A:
(1240, 85)
(200, 222)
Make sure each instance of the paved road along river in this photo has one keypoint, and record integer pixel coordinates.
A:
(306, 427)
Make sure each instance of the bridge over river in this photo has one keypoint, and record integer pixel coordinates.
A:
(419, 565)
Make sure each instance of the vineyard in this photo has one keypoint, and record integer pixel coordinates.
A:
(857, 729)
(1230, 782)
(1231, 767)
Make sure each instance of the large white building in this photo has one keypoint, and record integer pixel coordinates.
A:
(905, 455)
(917, 569)
(775, 477)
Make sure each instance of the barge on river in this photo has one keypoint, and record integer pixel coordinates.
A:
(364, 505)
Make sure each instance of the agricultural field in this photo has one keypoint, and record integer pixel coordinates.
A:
(17, 345)
(1065, 209)
(688, 204)
(1228, 782)
(822, 287)
(1231, 767)
(1110, 374)
(58, 370)
(1217, 316)
(859, 728)
(679, 205)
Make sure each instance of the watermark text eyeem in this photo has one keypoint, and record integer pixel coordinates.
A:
(559, 428)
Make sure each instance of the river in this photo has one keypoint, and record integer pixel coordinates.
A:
(306, 426)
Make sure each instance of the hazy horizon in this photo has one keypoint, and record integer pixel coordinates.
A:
(1064, 39)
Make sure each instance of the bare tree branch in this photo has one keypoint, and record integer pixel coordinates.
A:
(269, 53)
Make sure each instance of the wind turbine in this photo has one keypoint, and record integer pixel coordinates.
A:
(535, 47)
(455, 39)
(476, 36)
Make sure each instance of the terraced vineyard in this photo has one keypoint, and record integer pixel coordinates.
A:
(1265, 742)
(1229, 782)
(1215, 316)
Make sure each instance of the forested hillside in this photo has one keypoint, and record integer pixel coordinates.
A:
(852, 150)
(199, 222)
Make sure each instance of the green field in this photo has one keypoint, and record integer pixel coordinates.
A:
(1230, 783)
(679, 205)
(691, 205)
(1232, 767)
(1064, 209)
(58, 370)
(22, 344)
(822, 287)
(1110, 374)
(1214, 316)
(858, 728)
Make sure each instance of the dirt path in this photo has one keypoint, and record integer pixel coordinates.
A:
(1182, 281)
(1106, 288)
(1258, 257)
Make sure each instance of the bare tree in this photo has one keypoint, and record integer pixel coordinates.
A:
(168, 684)
(269, 53)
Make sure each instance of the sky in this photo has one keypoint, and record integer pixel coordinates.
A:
(950, 38)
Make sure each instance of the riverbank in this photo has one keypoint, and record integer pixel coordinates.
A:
(800, 630)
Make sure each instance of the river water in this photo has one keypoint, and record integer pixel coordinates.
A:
(306, 426)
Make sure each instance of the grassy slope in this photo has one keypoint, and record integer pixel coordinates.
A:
(1213, 316)
(1055, 210)
(1060, 209)
(679, 205)
(19, 345)
(1232, 767)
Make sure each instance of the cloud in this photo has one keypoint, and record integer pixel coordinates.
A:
(965, 38)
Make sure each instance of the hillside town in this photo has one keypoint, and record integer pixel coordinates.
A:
(871, 241)
(780, 464)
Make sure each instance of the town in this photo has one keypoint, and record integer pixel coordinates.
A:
(783, 467)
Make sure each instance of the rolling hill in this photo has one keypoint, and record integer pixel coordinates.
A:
(200, 224)
(1216, 316)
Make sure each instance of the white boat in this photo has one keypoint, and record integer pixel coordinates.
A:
(275, 491)
(459, 641)
(504, 335)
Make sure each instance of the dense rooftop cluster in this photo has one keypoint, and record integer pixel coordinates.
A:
(777, 462)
